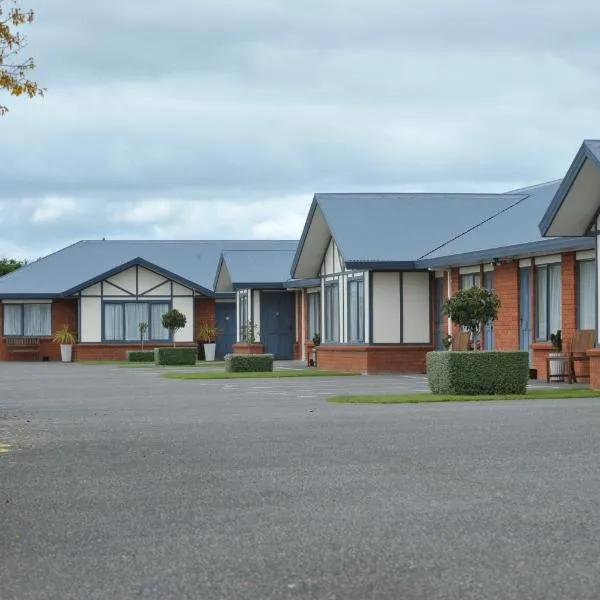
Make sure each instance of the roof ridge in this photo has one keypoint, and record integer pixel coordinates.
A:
(533, 187)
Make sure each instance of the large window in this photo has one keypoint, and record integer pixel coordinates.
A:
(470, 280)
(314, 314)
(243, 315)
(122, 321)
(332, 313)
(586, 294)
(356, 311)
(548, 300)
(28, 319)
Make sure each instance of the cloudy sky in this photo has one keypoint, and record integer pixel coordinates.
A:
(220, 118)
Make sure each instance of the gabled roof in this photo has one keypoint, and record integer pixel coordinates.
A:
(194, 263)
(513, 232)
(391, 230)
(239, 269)
(577, 200)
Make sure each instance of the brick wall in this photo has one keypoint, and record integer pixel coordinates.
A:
(507, 326)
(92, 351)
(204, 311)
(373, 359)
(63, 312)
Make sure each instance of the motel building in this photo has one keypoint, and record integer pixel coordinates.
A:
(369, 275)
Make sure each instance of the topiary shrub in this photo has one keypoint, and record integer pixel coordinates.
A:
(175, 356)
(139, 355)
(248, 363)
(473, 373)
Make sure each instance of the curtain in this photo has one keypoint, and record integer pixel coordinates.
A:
(314, 326)
(541, 291)
(135, 313)
(37, 319)
(555, 296)
(157, 331)
(352, 311)
(587, 295)
(332, 310)
(12, 319)
(361, 311)
(113, 322)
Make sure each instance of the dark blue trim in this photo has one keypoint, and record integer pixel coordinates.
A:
(348, 283)
(142, 263)
(23, 334)
(303, 283)
(29, 296)
(383, 265)
(218, 273)
(224, 295)
(582, 155)
(123, 303)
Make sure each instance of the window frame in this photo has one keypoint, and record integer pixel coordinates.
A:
(546, 268)
(592, 262)
(313, 325)
(22, 305)
(243, 314)
(330, 288)
(473, 276)
(122, 303)
(360, 310)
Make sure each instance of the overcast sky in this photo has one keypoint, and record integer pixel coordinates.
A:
(220, 118)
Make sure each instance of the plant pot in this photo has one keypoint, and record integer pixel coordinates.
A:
(66, 352)
(209, 351)
(557, 366)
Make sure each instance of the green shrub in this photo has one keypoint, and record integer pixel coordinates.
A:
(175, 356)
(248, 363)
(139, 355)
(473, 373)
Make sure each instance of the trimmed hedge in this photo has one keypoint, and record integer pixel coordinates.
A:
(474, 372)
(139, 355)
(248, 363)
(175, 356)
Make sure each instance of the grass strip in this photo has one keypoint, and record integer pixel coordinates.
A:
(259, 375)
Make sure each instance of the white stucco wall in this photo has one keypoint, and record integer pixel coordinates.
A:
(256, 312)
(90, 319)
(416, 312)
(386, 308)
(186, 306)
(332, 262)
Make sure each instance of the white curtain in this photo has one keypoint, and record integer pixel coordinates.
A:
(361, 311)
(135, 313)
(587, 295)
(554, 308)
(541, 291)
(12, 319)
(332, 311)
(157, 331)
(113, 322)
(353, 311)
(314, 302)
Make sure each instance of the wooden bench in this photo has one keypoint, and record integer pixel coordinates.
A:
(583, 340)
(29, 345)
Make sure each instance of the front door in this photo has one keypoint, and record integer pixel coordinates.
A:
(440, 318)
(277, 314)
(225, 317)
(525, 310)
(488, 332)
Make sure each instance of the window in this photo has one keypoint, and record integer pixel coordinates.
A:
(314, 314)
(548, 300)
(28, 319)
(122, 320)
(243, 316)
(586, 294)
(356, 311)
(332, 313)
(470, 280)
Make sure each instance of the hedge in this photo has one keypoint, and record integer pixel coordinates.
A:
(248, 363)
(139, 355)
(475, 372)
(175, 356)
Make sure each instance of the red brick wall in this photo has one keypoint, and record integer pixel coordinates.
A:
(243, 348)
(507, 326)
(63, 312)
(92, 351)
(204, 311)
(373, 359)
(569, 299)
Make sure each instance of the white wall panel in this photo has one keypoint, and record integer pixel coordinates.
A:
(148, 279)
(125, 279)
(386, 308)
(416, 313)
(186, 306)
(90, 320)
(256, 312)
(93, 290)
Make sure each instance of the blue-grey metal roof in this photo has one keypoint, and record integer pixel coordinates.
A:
(258, 268)
(397, 229)
(513, 232)
(590, 150)
(194, 263)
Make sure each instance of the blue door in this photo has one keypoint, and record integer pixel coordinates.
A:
(277, 314)
(225, 315)
(440, 318)
(525, 310)
(488, 332)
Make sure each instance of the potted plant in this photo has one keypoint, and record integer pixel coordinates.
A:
(143, 327)
(316, 340)
(207, 334)
(556, 359)
(66, 339)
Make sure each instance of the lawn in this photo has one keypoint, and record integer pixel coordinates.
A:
(259, 375)
(416, 398)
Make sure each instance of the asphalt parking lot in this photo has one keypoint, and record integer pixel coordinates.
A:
(125, 485)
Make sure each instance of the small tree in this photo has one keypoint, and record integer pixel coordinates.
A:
(143, 327)
(173, 320)
(472, 309)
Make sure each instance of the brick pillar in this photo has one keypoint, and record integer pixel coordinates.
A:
(506, 286)
(454, 287)
(594, 355)
(569, 308)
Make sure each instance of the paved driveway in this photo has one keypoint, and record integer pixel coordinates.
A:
(131, 486)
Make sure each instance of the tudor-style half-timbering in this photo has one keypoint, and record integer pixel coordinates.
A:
(111, 310)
